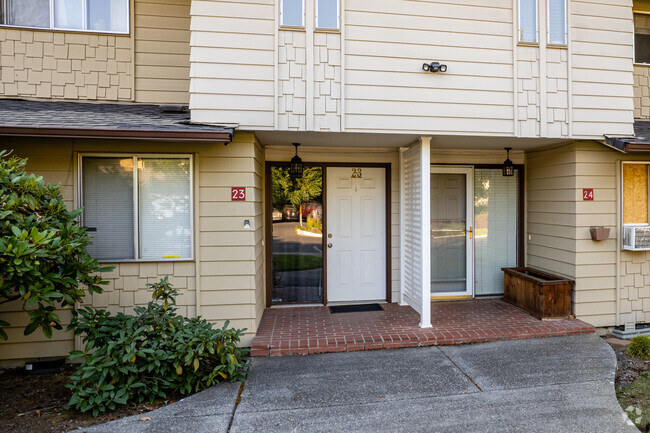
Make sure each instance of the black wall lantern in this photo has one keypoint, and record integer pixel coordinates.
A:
(295, 169)
(508, 168)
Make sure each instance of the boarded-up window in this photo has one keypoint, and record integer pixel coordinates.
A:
(635, 193)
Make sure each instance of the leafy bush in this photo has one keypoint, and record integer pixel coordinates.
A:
(43, 258)
(640, 347)
(144, 356)
(314, 223)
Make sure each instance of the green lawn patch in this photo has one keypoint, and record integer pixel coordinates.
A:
(635, 401)
(295, 262)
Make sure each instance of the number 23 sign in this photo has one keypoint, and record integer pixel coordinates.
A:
(238, 194)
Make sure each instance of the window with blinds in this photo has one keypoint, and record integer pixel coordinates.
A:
(137, 208)
(110, 16)
(495, 227)
(527, 20)
(557, 22)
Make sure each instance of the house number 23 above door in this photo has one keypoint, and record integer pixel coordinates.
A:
(238, 194)
(356, 173)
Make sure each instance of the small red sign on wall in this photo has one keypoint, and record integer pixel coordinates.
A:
(588, 194)
(238, 194)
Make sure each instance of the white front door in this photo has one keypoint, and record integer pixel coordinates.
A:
(452, 234)
(356, 234)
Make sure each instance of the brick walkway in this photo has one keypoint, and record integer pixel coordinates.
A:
(304, 330)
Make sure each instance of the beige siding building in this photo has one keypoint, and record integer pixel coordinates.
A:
(403, 111)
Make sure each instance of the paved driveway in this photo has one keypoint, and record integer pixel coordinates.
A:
(555, 384)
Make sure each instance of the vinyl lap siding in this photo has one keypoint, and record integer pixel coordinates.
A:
(595, 291)
(551, 197)
(601, 44)
(232, 55)
(162, 51)
(386, 44)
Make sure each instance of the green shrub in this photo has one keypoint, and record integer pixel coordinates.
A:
(43, 258)
(314, 223)
(144, 356)
(640, 347)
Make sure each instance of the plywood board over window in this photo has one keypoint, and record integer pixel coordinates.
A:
(635, 193)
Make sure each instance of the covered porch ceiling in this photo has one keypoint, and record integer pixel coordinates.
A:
(369, 140)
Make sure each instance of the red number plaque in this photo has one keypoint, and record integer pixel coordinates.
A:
(588, 194)
(238, 194)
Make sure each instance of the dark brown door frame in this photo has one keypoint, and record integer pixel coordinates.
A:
(268, 223)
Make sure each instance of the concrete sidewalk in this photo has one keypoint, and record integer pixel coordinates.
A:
(555, 384)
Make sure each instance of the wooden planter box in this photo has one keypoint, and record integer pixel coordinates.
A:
(543, 295)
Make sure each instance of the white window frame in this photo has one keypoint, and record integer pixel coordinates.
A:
(302, 22)
(634, 38)
(548, 24)
(338, 17)
(136, 200)
(536, 41)
(84, 20)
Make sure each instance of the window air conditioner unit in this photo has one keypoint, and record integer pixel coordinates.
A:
(636, 238)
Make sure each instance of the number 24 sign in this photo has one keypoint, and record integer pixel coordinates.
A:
(588, 194)
(238, 194)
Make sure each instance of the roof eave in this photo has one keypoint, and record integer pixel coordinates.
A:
(220, 136)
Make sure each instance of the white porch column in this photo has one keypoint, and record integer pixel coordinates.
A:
(415, 239)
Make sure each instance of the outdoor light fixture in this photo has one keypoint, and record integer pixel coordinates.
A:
(295, 169)
(434, 67)
(508, 168)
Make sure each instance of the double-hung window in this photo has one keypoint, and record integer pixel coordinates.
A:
(327, 14)
(527, 20)
(292, 13)
(137, 207)
(110, 16)
(557, 22)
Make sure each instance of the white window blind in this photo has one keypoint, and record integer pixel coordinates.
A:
(108, 207)
(557, 22)
(528, 20)
(108, 15)
(495, 228)
(31, 13)
(68, 14)
(327, 14)
(164, 195)
(292, 13)
(162, 220)
(96, 15)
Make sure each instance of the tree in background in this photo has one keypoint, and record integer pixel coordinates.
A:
(43, 258)
(296, 191)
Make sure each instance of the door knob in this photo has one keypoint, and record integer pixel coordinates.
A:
(329, 245)
(329, 235)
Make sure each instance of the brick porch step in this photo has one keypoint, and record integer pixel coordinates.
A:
(307, 330)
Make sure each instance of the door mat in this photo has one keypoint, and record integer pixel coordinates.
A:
(355, 308)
